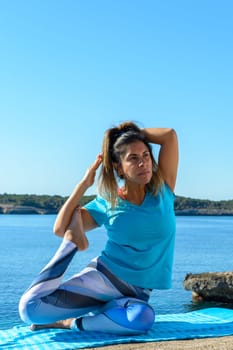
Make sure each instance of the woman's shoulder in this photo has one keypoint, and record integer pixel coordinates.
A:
(97, 202)
(164, 191)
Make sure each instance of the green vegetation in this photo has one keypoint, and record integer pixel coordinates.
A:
(44, 204)
(33, 204)
(190, 206)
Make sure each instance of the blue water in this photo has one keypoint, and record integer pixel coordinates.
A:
(27, 243)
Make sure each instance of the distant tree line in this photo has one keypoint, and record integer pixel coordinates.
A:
(190, 206)
(182, 203)
(45, 204)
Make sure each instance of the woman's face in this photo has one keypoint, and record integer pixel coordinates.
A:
(136, 163)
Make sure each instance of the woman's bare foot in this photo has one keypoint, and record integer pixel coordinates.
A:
(75, 231)
(64, 324)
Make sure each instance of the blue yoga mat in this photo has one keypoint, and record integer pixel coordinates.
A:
(211, 322)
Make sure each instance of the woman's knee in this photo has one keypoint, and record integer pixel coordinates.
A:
(132, 314)
(27, 309)
(140, 315)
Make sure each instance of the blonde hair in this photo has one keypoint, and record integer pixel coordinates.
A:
(113, 148)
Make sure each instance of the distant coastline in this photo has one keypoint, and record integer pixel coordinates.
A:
(44, 205)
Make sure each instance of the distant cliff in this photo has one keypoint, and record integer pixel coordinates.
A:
(33, 204)
(44, 204)
(190, 206)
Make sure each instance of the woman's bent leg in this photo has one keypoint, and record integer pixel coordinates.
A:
(46, 299)
(46, 283)
(123, 316)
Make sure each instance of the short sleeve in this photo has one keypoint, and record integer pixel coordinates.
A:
(97, 208)
(169, 193)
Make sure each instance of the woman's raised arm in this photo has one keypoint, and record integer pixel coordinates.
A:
(65, 214)
(168, 154)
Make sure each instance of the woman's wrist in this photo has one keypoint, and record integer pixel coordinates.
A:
(158, 135)
(147, 135)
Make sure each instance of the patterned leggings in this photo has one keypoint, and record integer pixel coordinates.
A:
(115, 306)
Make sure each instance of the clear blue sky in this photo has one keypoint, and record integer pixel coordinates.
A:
(71, 69)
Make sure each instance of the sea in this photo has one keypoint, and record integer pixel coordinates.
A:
(203, 244)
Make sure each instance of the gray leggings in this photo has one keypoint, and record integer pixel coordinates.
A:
(116, 307)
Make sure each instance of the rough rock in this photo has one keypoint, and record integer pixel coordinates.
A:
(211, 286)
(11, 209)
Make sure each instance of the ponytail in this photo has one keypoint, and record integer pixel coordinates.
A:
(112, 149)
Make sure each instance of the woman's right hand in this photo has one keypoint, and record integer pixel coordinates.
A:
(90, 174)
(65, 214)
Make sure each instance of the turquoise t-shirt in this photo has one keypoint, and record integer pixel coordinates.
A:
(141, 238)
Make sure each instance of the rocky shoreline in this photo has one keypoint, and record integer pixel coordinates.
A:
(47, 204)
(19, 209)
(25, 210)
(210, 286)
(204, 212)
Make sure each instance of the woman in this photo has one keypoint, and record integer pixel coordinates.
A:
(140, 223)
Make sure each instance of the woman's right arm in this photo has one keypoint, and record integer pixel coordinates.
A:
(66, 212)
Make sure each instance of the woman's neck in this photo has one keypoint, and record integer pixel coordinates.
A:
(133, 194)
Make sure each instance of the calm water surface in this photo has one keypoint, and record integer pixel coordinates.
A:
(27, 243)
